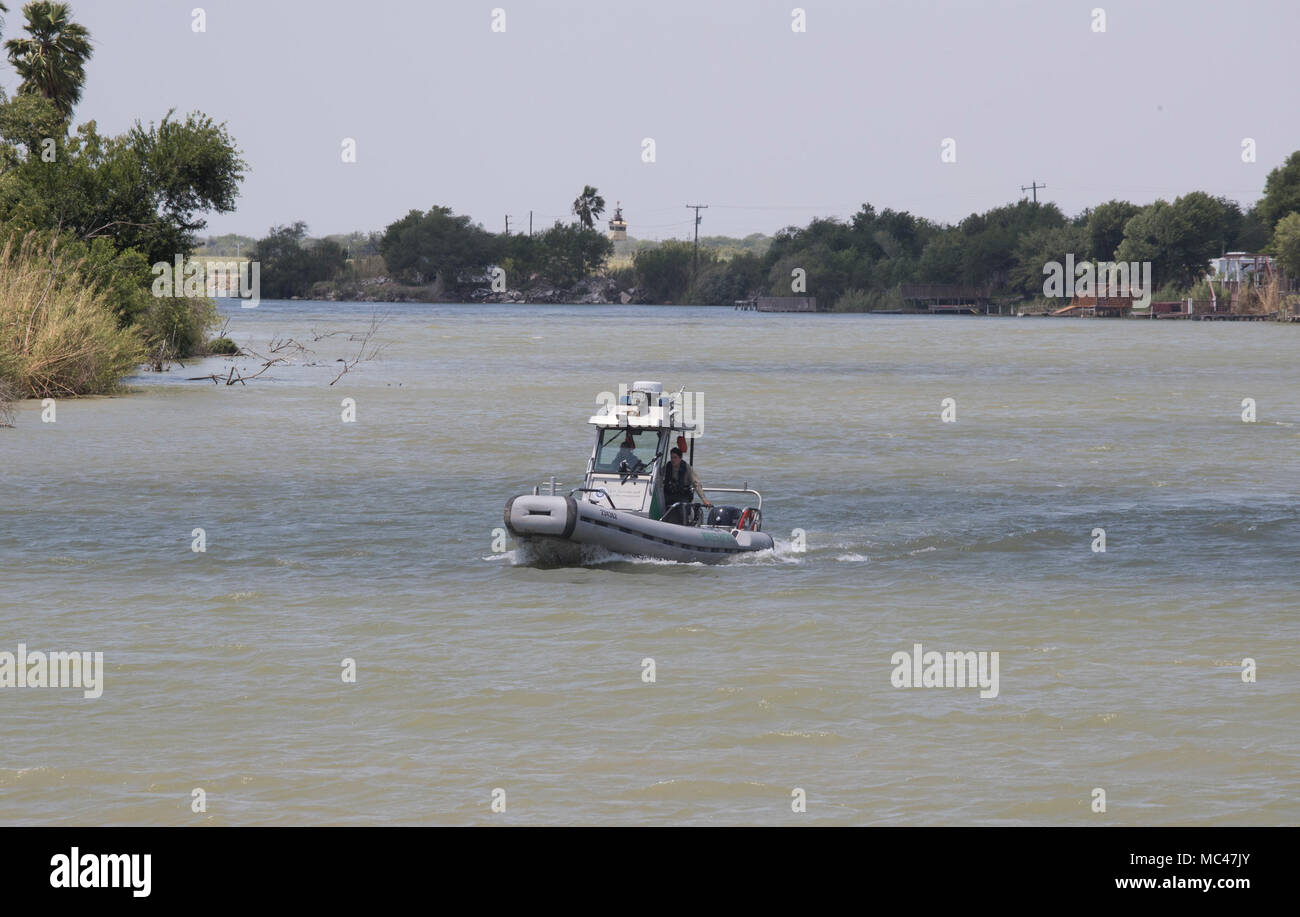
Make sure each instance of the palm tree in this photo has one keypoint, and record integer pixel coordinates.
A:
(588, 206)
(52, 61)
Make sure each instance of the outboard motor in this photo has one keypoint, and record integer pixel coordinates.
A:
(724, 516)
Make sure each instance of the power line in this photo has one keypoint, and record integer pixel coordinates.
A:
(1034, 187)
(663, 225)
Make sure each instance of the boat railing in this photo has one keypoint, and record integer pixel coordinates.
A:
(692, 513)
(737, 490)
(550, 485)
(594, 490)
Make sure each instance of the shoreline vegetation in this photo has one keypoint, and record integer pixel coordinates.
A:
(87, 220)
(83, 215)
(863, 264)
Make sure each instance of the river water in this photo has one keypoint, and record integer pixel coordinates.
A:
(477, 672)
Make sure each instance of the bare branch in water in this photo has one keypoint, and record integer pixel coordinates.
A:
(236, 376)
(279, 344)
(368, 349)
(284, 350)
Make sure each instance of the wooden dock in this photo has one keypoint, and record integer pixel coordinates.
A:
(777, 304)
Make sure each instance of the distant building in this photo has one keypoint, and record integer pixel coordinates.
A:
(221, 275)
(777, 304)
(1120, 305)
(948, 297)
(1229, 274)
(1234, 267)
(618, 225)
(1113, 298)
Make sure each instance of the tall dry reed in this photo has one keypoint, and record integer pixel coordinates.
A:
(58, 335)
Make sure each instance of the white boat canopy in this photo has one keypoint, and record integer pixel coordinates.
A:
(644, 405)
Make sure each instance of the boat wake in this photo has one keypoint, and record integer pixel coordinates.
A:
(573, 554)
(546, 554)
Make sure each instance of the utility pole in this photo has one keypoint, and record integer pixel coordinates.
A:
(695, 268)
(530, 224)
(1034, 187)
(507, 224)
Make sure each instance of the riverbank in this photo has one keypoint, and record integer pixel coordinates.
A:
(598, 291)
(608, 291)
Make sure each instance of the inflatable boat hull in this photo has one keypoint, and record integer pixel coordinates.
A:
(551, 522)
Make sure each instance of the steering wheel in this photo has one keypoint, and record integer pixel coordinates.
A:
(625, 472)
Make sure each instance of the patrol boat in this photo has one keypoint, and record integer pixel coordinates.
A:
(620, 505)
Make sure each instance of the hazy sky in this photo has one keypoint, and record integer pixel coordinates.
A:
(767, 126)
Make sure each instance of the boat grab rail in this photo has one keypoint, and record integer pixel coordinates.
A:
(692, 513)
(594, 490)
(736, 490)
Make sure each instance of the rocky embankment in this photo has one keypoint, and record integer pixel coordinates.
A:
(592, 291)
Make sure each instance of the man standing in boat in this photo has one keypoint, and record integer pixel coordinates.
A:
(681, 483)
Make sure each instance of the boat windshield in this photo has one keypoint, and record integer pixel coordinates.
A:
(636, 447)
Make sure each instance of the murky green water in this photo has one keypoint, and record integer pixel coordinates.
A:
(372, 541)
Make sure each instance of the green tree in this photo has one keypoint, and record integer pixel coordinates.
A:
(1040, 246)
(122, 275)
(113, 205)
(187, 167)
(1254, 233)
(1231, 222)
(721, 283)
(1144, 234)
(829, 252)
(588, 206)
(1105, 227)
(1281, 192)
(52, 59)
(941, 262)
(421, 246)
(988, 250)
(522, 259)
(291, 263)
(143, 189)
(27, 121)
(1178, 239)
(1286, 244)
(568, 253)
(664, 272)
(890, 233)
